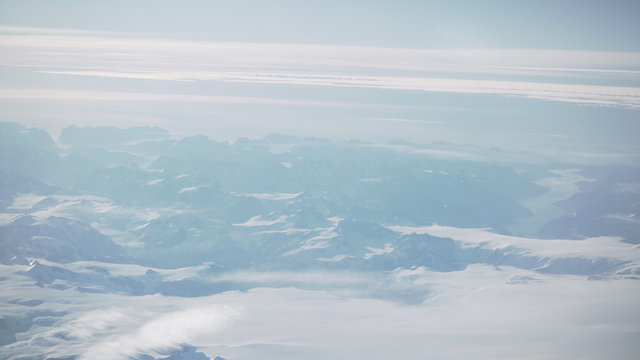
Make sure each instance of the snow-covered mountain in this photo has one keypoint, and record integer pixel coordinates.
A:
(104, 236)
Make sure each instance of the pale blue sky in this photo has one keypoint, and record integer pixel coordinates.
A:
(547, 24)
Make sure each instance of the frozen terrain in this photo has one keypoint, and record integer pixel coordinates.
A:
(314, 180)
(132, 243)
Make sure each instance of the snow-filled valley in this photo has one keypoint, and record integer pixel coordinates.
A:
(132, 243)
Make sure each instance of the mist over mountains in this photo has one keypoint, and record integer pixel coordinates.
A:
(107, 232)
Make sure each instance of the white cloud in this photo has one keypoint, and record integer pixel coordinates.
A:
(164, 331)
(106, 55)
(97, 321)
(572, 93)
(409, 121)
(480, 312)
(75, 95)
(127, 47)
(436, 153)
(319, 279)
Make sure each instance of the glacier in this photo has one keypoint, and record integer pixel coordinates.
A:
(134, 243)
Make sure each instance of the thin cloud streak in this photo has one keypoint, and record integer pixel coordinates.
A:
(77, 95)
(398, 120)
(131, 56)
(582, 94)
(126, 45)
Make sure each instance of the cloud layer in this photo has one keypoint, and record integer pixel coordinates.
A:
(576, 76)
(164, 331)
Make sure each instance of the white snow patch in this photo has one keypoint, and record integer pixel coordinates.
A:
(377, 251)
(26, 201)
(258, 221)
(66, 206)
(271, 196)
(184, 272)
(156, 181)
(286, 164)
(336, 258)
(122, 238)
(287, 231)
(190, 188)
(593, 248)
(140, 227)
(319, 241)
(6, 219)
(310, 244)
(335, 220)
(148, 216)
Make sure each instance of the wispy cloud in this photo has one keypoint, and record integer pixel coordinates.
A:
(495, 311)
(577, 75)
(77, 95)
(163, 332)
(399, 120)
(582, 94)
(124, 48)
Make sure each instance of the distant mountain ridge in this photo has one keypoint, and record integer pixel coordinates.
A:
(137, 214)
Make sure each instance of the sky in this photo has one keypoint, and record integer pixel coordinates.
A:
(542, 24)
(516, 75)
